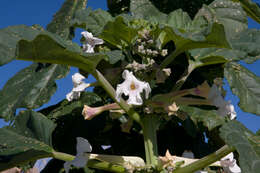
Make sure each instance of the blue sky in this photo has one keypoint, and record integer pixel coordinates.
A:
(31, 12)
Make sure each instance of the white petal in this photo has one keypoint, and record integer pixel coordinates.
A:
(105, 147)
(235, 169)
(80, 161)
(81, 87)
(83, 145)
(89, 48)
(230, 157)
(66, 166)
(41, 163)
(77, 78)
(97, 41)
(147, 90)
(87, 34)
(69, 96)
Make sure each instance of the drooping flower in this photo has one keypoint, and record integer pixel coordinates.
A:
(224, 107)
(90, 112)
(90, 42)
(132, 87)
(78, 86)
(229, 164)
(80, 160)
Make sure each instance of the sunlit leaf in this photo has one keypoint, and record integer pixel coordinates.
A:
(245, 85)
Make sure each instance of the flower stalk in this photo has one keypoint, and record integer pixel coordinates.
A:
(150, 125)
(206, 161)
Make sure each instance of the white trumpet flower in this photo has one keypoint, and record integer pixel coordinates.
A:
(78, 86)
(132, 87)
(80, 160)
(229, 164)
(224, 107)
(90, 42)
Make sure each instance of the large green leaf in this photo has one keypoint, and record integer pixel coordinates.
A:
(49, 48)
(28, 139)
(248, 42)
(61, 23)
(29, 88)
(118, 33)
(228, 13)
(209, 118)
(251, 8)
(184, 41)
(246, 143)
(144, 9)
(93, 21)
(10, 36)
(245, 85)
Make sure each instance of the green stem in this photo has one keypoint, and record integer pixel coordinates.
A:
(111, 91)
(92, 163)
(150, 125)
(169, 59)
(206, 161)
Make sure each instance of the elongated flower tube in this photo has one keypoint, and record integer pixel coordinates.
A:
(78, 86)
(224, 107)
(90, 42)
(80, 160)
(90, 112)
(132, 87)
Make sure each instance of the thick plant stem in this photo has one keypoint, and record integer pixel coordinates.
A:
(92, 163)
(111, 91)
(206, 161)
(150, 125)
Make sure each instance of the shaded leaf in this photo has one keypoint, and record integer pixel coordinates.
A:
(65, 107)
(246, 144)
(27, 140)
(30, 88)
(209, 118)
(49, 48)
(93, 21)
(10, 36)
(245, 85)
(118, 33)
(61, 23)
(115, 56)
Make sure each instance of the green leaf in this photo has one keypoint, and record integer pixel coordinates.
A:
(68, 108)
(228, 13)
(61, 23)
(144, 9)
(93, 21)
(251, 8)
(115, 56)
(209, 56)
(209, 118)
(28, 139)
(30, 88)
(246, 144)
(48, 48)
(245, 85)
(186, 40)
(10, 36)
(248, 42)
(118, 33)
